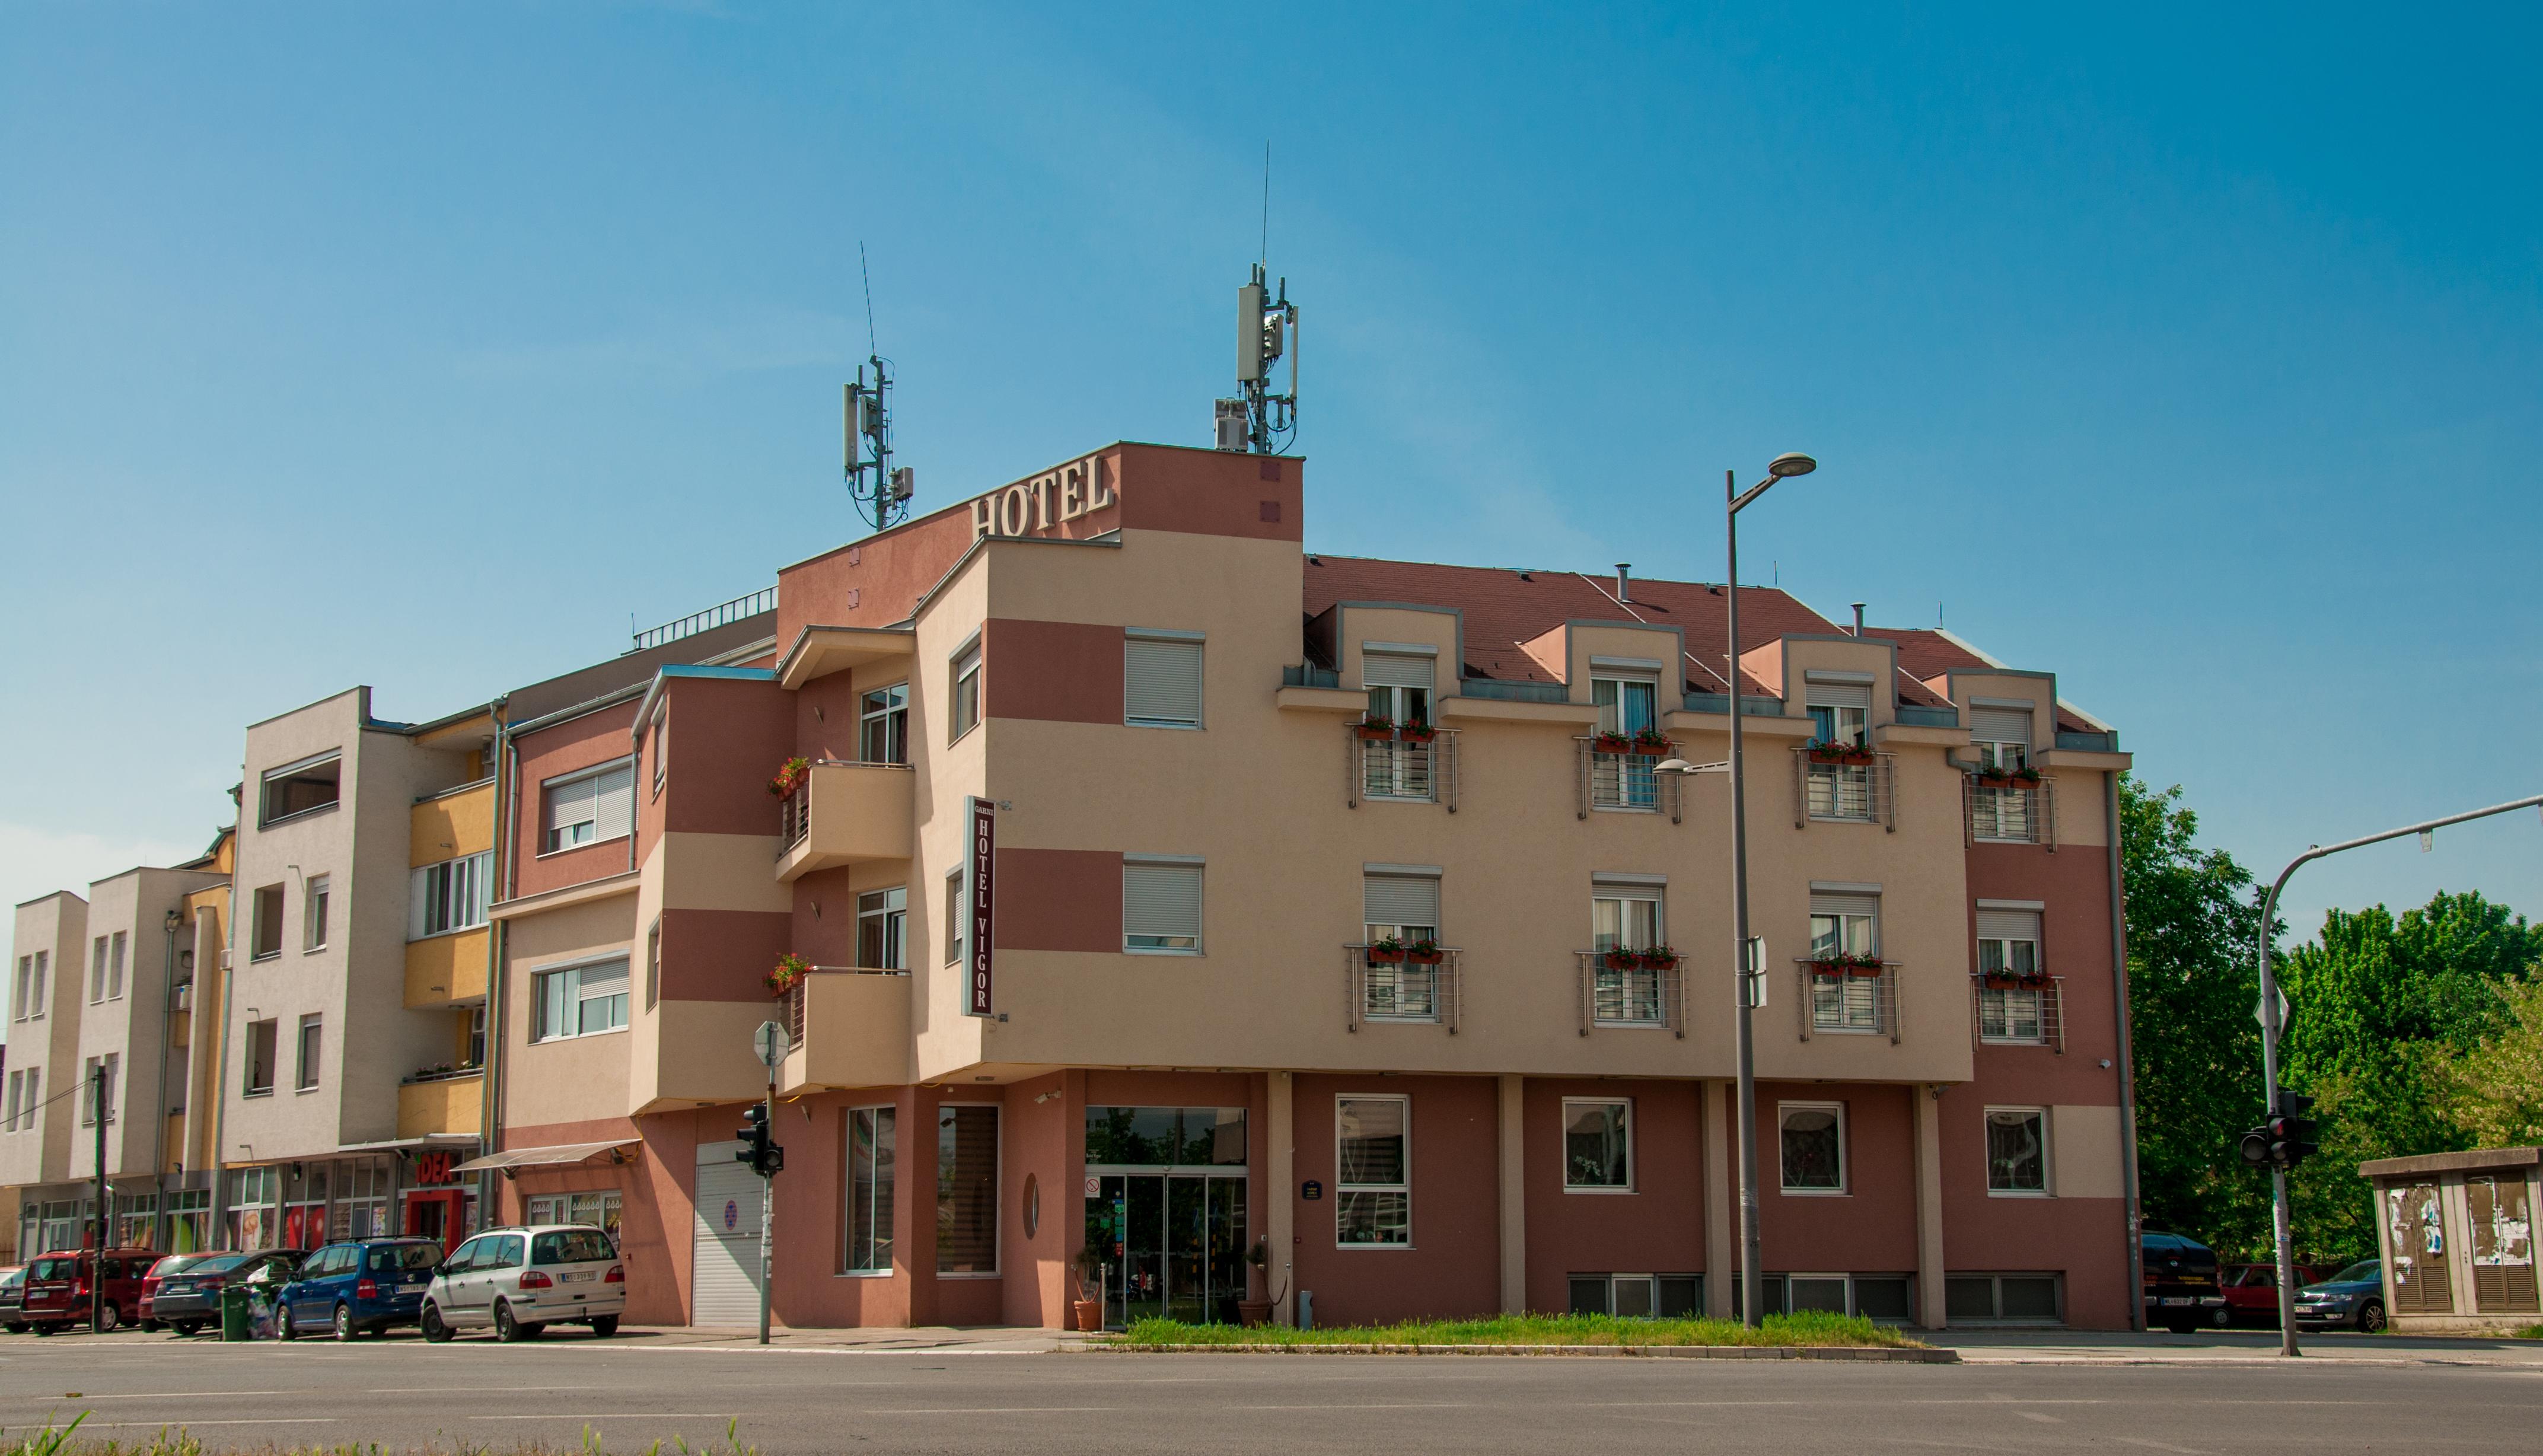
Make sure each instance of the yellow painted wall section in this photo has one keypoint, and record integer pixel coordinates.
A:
(453, 1105)
(445, 969)
(454, 824)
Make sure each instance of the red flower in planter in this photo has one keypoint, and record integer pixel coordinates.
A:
(1375, 725)
(1385, 951)
(1611, 743)
(789, 776)
(1846, 962)
(1838, 752)
(1424, 952)
(1621, 958)
(1417, 732)
(1657, 958)
(787, 970)
(1653, 743)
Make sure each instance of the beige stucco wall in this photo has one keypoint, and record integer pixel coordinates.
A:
(57, 926)
(579, 1078)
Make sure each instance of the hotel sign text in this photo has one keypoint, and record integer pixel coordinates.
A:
(1045, 502)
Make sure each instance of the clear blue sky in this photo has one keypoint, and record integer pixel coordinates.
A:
(2192, 356)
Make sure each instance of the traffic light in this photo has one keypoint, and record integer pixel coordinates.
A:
(2287, 1138)
(763, 1155)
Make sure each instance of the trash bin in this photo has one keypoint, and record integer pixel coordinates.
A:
(235, 1322)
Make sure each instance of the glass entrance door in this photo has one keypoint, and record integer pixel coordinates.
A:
(1175, 1244)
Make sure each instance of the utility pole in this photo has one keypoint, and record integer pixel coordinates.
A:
(767, 1212)
(105, 1205)
(759, 1150)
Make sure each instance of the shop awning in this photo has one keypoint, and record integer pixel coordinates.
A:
(562, 1155)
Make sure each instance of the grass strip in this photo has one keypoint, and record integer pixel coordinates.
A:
(1809, 1328)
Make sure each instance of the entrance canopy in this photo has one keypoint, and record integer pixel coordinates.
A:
(559, 1156)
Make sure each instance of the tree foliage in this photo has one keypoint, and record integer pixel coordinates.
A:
(2493, 1092)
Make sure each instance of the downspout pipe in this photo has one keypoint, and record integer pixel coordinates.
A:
(507, 767)
(167, 1050)
(2128, 1064)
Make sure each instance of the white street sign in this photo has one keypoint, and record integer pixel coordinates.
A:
(770, 1042)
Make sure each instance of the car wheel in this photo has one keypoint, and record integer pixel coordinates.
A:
(44, 1330)
(2223, 1317)
(604, 1326)
(343, 1322)
(2371, 1317)
(185, 1328)
(109, 1319)
(16, 1329)
(283, 1326)
(507, 1328)
(433, 1330)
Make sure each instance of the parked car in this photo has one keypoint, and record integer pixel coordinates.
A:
(13, 1298)
(2252, 1292)
(2354, 1296)
(359, 1287)
(187, 1292)
(520, 1281)
(2181, 1289)
(57, 1287)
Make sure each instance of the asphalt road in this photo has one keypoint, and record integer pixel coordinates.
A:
(632, 1390)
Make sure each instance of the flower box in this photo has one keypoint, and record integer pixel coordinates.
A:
(1611, 743)
(1416, 733)
(786, 973)
(1846, 963)
(2020, 778)
(1387, 951)
(1624, 959)
(2002, 982)
(1376, 728)
(1424, 952)
(1649, 744)
(1845, 753)
(789, 776)
(1657, 958)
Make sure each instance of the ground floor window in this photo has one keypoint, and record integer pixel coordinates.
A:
(253, 1221)
(872, 1135)
(2012, 1299)
(598, 1210)
(1890, 1298)
(1373, 1171)
(190, 1221)
(2017, 1146)
(137, 1220)
(1813, 1147)
(1598, 1145)
(1669, 1296)
(966, 1190)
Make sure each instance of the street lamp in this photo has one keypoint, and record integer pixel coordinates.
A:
(1751, 1280)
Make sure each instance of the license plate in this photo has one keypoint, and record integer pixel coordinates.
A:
(2178, 1299)
(409, 1288)
(584, 1278)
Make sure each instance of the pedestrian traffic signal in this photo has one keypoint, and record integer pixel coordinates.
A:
(2287, 1138)
(763, 1156)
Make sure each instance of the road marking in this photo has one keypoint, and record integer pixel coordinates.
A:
(1363, 1406)
(179, 1424)
(2035, 1415)
(622, 1416)
(455, 1390)
(2159, 1446)
(992, 1410)
(186, 1394)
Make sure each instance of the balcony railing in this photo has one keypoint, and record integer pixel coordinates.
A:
(1399, 770)
(1635, 996)
(1842, 793)
(1508, 690)
(794, 818)
(1309, 676)
(1402, 991)
(1847, 1004)
(799, 996)
(1623, 782)
(2019, 1015)
(719, 615)
(865, 814)
(2008, 814)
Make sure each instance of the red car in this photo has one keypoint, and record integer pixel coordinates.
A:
(2252, 1291)
(57, 1287)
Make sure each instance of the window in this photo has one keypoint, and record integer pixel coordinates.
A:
(2016, 1150)
(1667, 1296)
(476, 1037)
(2000, 739)
(883, 726)
(1403, 908)
(661, 736)
(114, 967)
(1160, 907)
(29, 1112)
(1813, 1147)
(300, 788)
(966, 692)
(2009, 951)
(451, 895)
(598, 1210)
(97, 971)
(1400, 685)
(96, 1090)
(2024, 1299)
(260, 1059)
(581, 1000)
(1628, 706)
(1625, 917)
(308, 1064)
(1840, 711)
(1845, 924)
(1372, 1172)
(17, 1091)
(1598, 1145)
(1161, 680)
(589, 807)
(955, 918)
(882, 923)
(265, 937)
(313, 913)
(966, 1190)
(36, 1000)
(654, 964)
(18, 1006)
(869, 1183)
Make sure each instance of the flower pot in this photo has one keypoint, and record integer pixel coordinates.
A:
(1251, 1312)
(2001, 982)
(1657, 963)
(1375, 735)
(1863, 972)
(1089, 1316)
(1826, 969)
(1425, 957)
(1386, 957)
(1418, 736)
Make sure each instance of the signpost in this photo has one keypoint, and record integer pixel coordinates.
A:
(770, 1042)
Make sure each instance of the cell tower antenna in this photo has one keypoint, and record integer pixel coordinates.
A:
(1265, 255)
(1258, 421)
(881, 492)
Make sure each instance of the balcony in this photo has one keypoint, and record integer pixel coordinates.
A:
(1848, 1001)
(2018, 1011)
(1402, 992)
(1861, 793)
(449, 970)
(2009, 813)
(1396, 769)
(847, 1027)
(845, 814)
(446, 1103)
(1637, 995)
(1622, 782)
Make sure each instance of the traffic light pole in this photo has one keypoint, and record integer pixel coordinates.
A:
(2270, 1026)
(767, 1207)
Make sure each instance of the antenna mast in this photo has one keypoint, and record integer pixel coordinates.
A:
(1266, 328)
(880, 490)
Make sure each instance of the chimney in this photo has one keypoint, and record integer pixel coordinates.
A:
(1624, 581)
(1858, 619)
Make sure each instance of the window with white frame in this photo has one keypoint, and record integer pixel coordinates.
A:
(17, 988)
(262, 1040)
(17, 1089)
(956, 918)
(449, 896)
(1401, 909)
(1840, 709)
(115, 966)
(1627, 705)
(1625, 917)
(966, 693)
(869, 1226)
(2011, 1007)
(883, 925)
(96, 1090)
(36, 1000)
(2016, 1150)
(265, 925)
(1373, 1172)
(660, 733)
(1161, 679)
(1639, 1296)
(1845, 924)
(314, 895)
(97, 971)
(1399, 683)
(590, 806)
(2000, 739)
(580, 1000)
(1814, 1146)
(1161, 906)
(883, 725)
(654, 964)
(310, 1033)
(1597, 1144)
(598, 1210)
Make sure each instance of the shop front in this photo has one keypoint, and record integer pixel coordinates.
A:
(1166, 1209)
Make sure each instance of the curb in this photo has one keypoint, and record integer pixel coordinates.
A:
(1880, 1354)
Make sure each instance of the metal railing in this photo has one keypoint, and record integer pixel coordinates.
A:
(442, 1074)
(2008, 814)
(2019, 1015)
(794, 818)
(1400, 769)
(2106, 742)
(1512, 691)
(1916, 716)
(1402, 991)
(1309, 676)
(1631, 997)
(1846, 1004)
(1841, 792)
(798, 994)
(719, 615)
(1624, 781)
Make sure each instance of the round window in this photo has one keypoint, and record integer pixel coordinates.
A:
(1033, 1205)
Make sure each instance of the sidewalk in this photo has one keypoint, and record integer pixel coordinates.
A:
(948, 1340)
(2228, 1347)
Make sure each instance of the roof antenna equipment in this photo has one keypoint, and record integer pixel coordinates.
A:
(882, 491)
(1267, 329)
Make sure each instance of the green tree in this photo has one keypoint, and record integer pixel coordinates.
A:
(2494, 1092)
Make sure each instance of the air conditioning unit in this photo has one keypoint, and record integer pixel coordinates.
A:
(1232, 425)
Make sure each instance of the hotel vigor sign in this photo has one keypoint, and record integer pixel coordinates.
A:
(1045, 502)
(981, 887)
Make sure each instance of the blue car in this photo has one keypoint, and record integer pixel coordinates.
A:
(2354, 1297)
(359, 1287)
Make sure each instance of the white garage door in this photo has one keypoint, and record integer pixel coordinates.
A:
(725, 1245)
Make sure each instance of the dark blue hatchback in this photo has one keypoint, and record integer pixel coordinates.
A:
(359, 1287)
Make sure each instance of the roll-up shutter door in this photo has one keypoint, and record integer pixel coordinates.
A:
(2009, 925)
(2000, 725)
(615, 813)
(1829, 902)
(1161, 900)
(1400, 900)
(1162, 683)
(1395, 670)
(723, 1243)
(1837, 694)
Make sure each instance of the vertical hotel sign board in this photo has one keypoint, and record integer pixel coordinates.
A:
(980, 884)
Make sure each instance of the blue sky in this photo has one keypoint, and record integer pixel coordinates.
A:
(2194, 356)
